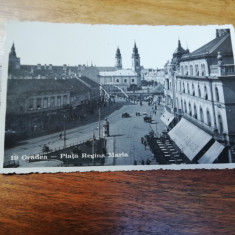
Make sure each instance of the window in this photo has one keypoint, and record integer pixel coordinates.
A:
(190, 109)
(45, 103)
(182, 70)
(188, 88)
(179, 86)
(117, 80)
(193, 89)
(208, 118)
(216, 94)
(64, 99)
(191, 70)
(185, 107)
(199, 90)
(182, 105)
(125, 80)
(30, 104)
(58, 101)
(186, 70)
(132, 80)
(167, 84)
(195, 111)
(205, 92)
(38, 103)
(203, 70)
(196, 70)
(183, 88)
(220, 126)
(52, 102)
(201, 115)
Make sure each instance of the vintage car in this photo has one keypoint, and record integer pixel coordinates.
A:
(125, 115)
(147, 119)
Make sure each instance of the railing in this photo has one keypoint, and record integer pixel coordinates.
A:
(227, 69)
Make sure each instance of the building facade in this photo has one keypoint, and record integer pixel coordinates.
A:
(200, 89)
(39, 98)
(126, 79)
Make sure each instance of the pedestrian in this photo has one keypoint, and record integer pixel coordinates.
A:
(142, 162)
(142, 140)
(148, 162)
(135, 162)
(145, 144)
(60, 136)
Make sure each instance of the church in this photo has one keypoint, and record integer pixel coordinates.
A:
(126, 79)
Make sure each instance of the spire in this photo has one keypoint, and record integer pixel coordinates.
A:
(135, 49)
(179, 44)
(118, 57)
(118, 53)
(13, 52)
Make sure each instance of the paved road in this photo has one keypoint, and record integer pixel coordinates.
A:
(125, 136)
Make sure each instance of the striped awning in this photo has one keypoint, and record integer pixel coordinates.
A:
(167, 118)
(189, 138)
(212, 153)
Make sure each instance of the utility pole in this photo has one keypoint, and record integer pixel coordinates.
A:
(64, 131)
(99, 123)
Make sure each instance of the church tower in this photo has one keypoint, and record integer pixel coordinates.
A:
(135, 60)
(118, 58)
(14, 61)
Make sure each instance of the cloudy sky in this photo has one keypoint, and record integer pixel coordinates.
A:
(73, 44)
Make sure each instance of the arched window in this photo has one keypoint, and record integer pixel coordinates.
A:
(196, 70)
(186, 70)
(167, 84)
(208, 118)
(203, 70)
(205, 93)
(195, 111)
(193, 90)
(220, 124)
(216, 94)
(199, 90)
(188, 88)
(182, 70)
(201, 115)
(190, 109)
(185, 107)
(191, 70)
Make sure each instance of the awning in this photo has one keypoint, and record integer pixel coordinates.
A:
(167, 117)
(189, 138)
(212, 153)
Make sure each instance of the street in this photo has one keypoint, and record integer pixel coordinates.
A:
(125, 136)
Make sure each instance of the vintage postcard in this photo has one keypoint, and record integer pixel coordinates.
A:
(79, 97)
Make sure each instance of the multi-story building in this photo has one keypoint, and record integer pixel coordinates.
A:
(38, 97)
(123, 78)
(200, 100)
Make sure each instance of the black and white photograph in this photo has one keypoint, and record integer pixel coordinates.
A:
(79, 97)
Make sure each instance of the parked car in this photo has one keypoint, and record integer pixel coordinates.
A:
(125, 115)
(147, 119)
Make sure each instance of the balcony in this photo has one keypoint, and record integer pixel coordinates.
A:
(223, 70)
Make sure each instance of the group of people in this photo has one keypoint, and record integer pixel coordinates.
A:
(147, 162)
(144, 142)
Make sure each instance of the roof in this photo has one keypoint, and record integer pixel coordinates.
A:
(45, 86)
(122, 72)
(221, 43)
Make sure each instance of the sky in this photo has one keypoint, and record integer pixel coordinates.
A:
(74, 44)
